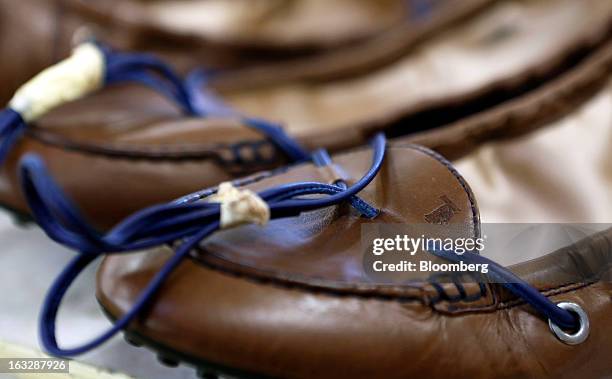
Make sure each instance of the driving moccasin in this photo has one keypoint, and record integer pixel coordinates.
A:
(505, 51)
(265, 24)
(288, 298)
(440, 41)
(109, 123)
(213, 34)
(235, 32)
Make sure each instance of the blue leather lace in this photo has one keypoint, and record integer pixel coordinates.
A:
(190, 221)
(148, 70)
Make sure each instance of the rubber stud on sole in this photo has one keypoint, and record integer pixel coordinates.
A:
(131, 340)
(167, 361)
(206, 374)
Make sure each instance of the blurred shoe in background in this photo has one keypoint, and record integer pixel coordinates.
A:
(207, 33)
(505, 51)
(561, 174)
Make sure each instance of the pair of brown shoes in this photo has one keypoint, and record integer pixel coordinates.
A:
(294, 298)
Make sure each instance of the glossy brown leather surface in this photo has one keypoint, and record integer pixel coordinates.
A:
(409, 187)
(304, 248)
(252, 310)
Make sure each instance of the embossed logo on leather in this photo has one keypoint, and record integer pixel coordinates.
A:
(444, 213)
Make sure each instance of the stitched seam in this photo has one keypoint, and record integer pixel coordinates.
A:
(535, 108)
(312, 288)
(475, 223)
(374, 291)
(273, 277)
(488, 124)
(373, 294)
(118, 150)
(460, 179)
(549, 291)
(213, 155)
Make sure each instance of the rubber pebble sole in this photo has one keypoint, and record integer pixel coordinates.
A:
(172, 358)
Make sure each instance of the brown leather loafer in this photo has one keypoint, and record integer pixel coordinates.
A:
(471, 66)
(265, 24)
(125, 116)
(251, 313)
(135, 134)
(476, 34)
(292, 300)
(38, 33)
(235, 32)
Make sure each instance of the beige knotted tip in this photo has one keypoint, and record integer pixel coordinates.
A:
(240, 206)
(70, 79)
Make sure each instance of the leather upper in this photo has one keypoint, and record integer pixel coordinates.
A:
(129, 140)
(288, 300)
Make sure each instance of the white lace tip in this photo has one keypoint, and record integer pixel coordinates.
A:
(240, 206)
(69, 80)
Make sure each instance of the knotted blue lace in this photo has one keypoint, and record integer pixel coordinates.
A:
(190, 221)
(146, 69)
(187, 221)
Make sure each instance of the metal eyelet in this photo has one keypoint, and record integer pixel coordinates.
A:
(581, 334)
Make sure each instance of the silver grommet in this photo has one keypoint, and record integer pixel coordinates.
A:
(578, 336)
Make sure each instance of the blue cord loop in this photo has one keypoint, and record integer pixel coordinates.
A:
(206, 101)
(279, 138)
(150, 71)
(321, 158)
(190, 221)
